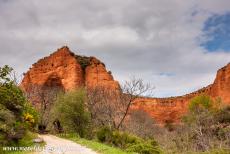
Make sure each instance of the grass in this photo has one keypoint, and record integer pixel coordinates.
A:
(27, 141)
(94, 145)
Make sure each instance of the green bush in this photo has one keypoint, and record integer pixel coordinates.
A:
(200, 102)
(128, 142)
(13, 105)
(143, 148)
(123, 139)
(104, 134)
(83, 61)
(70, 109)
(30, 116)
(223, 116)
(206, 125)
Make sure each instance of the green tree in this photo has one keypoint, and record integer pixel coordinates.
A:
(70, 109)
(200, 102)
(12, 108)
(205, 125)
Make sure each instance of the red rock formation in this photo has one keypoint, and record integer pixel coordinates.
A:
(221, 85)
(96, 74)
(173, 108)
(69, 71)
(65, 69)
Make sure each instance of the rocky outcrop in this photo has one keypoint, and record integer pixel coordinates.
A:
(221, 86)
(96, 74)
(69, 71)
(173, 108)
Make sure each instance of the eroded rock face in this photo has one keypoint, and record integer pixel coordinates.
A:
(221, 85)
(96, 74)
(69, 71)
(65, 69)
(173, 108)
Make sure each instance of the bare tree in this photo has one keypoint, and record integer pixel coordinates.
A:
(140, 123)
(111, 107)
(132, 90)
(103, 105)
(43, 97)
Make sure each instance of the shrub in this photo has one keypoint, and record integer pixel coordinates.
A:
(143, 148)
(30, 115)
(200, 102)
(12, 107)
(128, 142)
(83, 61)
(70, 110)
(207, 125)
(223, 116)
(104, 134)
(139, 123)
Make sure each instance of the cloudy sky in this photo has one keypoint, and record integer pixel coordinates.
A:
(176, 45)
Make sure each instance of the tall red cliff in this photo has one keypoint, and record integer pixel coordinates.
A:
(69, 71)
(173, 108)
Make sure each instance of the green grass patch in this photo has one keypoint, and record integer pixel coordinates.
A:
(94, 145)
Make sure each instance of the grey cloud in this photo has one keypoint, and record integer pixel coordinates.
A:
(133, 37)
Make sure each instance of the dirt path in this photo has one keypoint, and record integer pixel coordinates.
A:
(56, 145)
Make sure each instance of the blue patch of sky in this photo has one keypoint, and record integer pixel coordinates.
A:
(168, 74)
(217, 33)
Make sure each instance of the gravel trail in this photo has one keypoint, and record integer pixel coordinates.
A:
(56, 145)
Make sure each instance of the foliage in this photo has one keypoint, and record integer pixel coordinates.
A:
(30, 115)
(13, 105)
(207, 124)
(139, 123)
(26, 141)
(128, 142)
(143, 148)
(203, 130)
(200, 102)
(83, 61)
(71, 111)
(104, 134)
(110, 107)
(43, 98)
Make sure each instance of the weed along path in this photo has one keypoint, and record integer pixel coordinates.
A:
(56, 145)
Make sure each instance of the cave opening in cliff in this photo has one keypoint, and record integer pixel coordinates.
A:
(54, 81)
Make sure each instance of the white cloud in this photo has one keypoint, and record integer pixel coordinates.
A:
(142, 38)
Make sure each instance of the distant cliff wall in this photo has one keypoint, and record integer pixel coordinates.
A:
(69, 71)
(173, 108)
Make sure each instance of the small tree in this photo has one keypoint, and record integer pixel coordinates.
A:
(202, 102)
(110, 107)
(43, 97)
(13, 107)
(131, 91)
(70, 109)
(140, 123)
(204, 124)
(103, 105)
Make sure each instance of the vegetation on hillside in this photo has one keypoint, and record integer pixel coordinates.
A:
(70, 110)
(17, 116)
(206, 128)
(102, 119)
(83, 61)
(100, 115)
